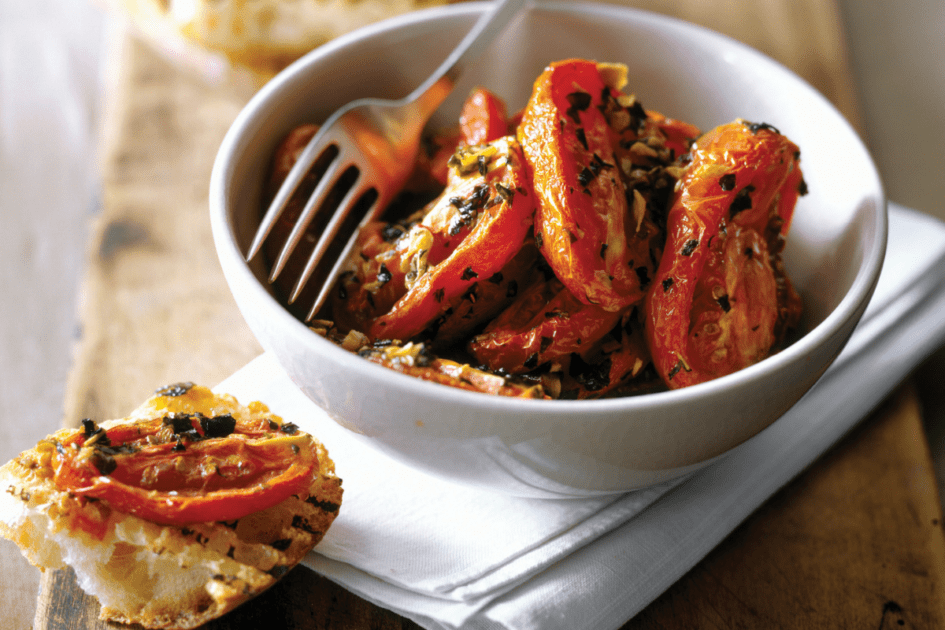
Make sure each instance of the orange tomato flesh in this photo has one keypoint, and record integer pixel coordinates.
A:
(146, 469)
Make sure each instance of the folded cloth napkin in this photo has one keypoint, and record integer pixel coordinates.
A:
(450, 556)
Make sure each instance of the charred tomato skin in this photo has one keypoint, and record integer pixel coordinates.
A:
(720, 292)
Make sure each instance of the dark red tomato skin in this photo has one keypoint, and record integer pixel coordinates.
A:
(495, 236)
(739, 189)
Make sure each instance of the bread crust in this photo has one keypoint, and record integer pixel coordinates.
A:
(163, 576)
(263, 36)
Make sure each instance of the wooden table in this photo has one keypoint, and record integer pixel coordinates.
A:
(856, 541)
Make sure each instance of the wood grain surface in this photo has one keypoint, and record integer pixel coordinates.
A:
(856, 541)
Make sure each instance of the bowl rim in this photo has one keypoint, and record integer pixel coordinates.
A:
(852, 304)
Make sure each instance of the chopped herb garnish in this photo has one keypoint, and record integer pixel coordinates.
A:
(756, 127)
(218, 426)
(582, 137)
(742, 200)
(505, 192)
(578, 101)
(469, 274)
(585, 177)
(176, 389)
(179, 422)
(392, 232)
(384, 275)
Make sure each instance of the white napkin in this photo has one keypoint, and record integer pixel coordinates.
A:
(449, 556)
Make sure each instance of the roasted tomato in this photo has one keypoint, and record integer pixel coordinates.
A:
(488, 297)
(415, 360)
(720, 300)
(187, 468)
(582, 206)
(545, 325)
(483, 118)
(374, 279)
(678, 135)
(620, 358)
(487, 209)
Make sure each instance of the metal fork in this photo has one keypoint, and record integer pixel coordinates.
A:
(379, 139)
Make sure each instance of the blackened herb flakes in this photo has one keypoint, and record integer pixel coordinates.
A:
(180, 423)
(578, 101)
(468, 208)
(582, 138)
(392, 232)
(742, 201)
(760, 126)
(469, 274)
(218, 426)
(175, 389)
(90, 430)
(289, 428)
(384, 275)
(504, 192)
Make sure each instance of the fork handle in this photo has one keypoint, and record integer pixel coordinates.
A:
(487, 27)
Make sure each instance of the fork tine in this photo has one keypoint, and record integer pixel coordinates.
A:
(315, 202)
(316, 147)
(329, 233)
(329, 284)
(350, 202)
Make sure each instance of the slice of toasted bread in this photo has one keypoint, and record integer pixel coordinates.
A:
(163, 576)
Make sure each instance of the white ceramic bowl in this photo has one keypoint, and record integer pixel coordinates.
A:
(565, 448)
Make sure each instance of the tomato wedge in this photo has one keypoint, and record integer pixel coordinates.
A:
(720, 300)
(187, 468)
(489, 206)
(483, 117)
(488, 297)
(546, 324)
(414, 360)
(679, 135)
(619, 360)
(581, 203)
